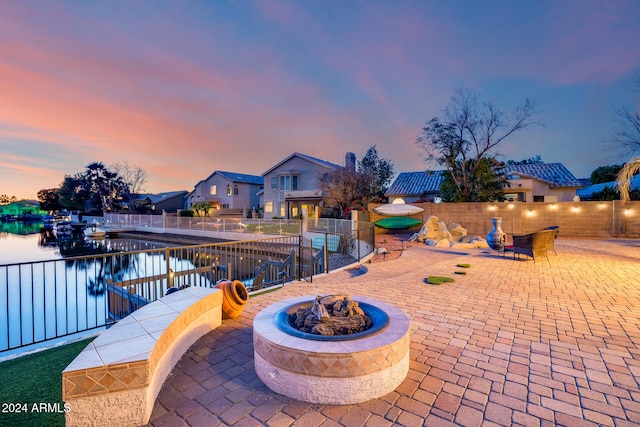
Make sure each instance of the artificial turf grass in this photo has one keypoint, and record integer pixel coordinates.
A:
(438, 280)
(36, 379)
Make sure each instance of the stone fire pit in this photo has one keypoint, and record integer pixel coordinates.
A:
(336, 369)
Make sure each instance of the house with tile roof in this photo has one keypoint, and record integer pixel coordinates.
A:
(227, 191)
(423, 186)
(292, 185)
(540, 182)
(587, 192)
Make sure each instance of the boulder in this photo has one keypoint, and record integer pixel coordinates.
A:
(443, 243)
(457, 231)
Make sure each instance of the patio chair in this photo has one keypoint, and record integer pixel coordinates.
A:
(533, 244)
(551, 242)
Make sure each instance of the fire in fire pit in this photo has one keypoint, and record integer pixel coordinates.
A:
(332, 315)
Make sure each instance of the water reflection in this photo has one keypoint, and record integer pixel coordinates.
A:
(19, 227)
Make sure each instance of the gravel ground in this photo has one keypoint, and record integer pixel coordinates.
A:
(393, 243)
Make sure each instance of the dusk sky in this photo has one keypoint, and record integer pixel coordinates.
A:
(183, 88)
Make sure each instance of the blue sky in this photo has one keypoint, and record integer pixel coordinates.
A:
(185, 88)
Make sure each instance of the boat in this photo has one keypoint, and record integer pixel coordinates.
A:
(397, 223)
(94, 232)
(398, 209)
(63, 226)
(48, 221)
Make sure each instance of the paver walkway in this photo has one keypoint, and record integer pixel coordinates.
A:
(551, 342)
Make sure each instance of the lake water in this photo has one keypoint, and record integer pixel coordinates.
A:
(45, 294)
(28, 242)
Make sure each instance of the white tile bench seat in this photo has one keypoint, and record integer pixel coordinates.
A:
(115, 380)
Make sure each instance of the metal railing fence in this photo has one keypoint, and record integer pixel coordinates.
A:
(215, 224)
(45, 300)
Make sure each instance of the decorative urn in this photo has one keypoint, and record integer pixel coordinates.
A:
(496, 237)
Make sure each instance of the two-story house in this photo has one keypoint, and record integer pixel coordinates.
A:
(227, 190)
(292, 185)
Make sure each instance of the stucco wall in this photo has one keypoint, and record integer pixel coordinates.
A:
(576, 219)
(246, 197)
(307, 180)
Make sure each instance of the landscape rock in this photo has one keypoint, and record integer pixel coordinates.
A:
(457, 231)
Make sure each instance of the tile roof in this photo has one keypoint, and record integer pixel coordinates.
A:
(304, 156)
(555, 174)
(234, 177)
(588, 190)
(242, 178)
(416, 183)
(158, 197)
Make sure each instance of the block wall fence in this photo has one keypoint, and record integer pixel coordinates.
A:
(576, 219)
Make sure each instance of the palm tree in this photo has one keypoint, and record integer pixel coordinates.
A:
(624, 177)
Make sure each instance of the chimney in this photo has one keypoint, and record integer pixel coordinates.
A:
(350, 162)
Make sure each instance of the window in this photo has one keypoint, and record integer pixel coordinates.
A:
(235, 189)
(228, 189)
(283, 209)
(538, 198)
(288, 182)
(225, 206)
(285, 182)
(268, 206)
(274, 183)
(213, 190)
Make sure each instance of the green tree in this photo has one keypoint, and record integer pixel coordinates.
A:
(467, 135)
(95, 188)
(5, 200)
(605, 174)
(380, 172)
(107, 189)
(73, 193)
(530, 161)
(203, 207)
(49, 199)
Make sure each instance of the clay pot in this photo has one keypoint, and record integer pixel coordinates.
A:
(496, 237)
(234, 298)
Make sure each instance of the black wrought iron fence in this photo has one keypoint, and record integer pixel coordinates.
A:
(46, 300)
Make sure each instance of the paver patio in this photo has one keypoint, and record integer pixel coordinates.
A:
(512, 342)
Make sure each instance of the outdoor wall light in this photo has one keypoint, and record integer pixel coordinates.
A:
(492, 208)
(511, 206)
(628, 212)
(530, 213)
(575, 209)
(553, 207)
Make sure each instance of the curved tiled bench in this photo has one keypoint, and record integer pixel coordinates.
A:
(115, 380)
